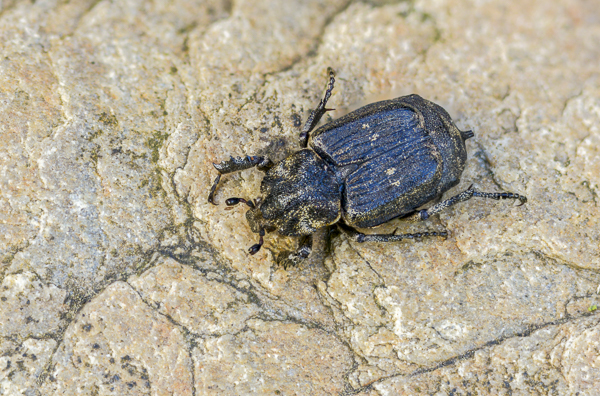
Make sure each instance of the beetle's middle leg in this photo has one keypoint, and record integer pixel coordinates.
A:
(235, 165)
(316, 114)
(360, 237)
(463, 196)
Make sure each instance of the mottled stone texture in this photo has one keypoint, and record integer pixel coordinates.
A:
(118, 278)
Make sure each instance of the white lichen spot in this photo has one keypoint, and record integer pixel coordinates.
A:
(451, 330)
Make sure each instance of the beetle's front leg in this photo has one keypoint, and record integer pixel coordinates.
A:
(463, 196)
(235, 165)
(289, 259)
(315, 115)
(360, 237)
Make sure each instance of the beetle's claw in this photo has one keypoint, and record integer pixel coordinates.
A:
(211, 195)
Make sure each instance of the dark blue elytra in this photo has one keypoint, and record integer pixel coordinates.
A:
(392, 156)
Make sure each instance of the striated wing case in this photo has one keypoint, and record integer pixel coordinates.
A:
(386, 157)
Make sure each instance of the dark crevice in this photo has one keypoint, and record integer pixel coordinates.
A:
(368, 264)
(87, 11)
(544, 257)
(271, 308)
(312, 52)
(187, 334)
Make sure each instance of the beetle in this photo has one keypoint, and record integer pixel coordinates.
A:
(382, 161)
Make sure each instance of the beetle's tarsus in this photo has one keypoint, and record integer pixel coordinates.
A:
(316, 114)
(503, 195)
(463, 196)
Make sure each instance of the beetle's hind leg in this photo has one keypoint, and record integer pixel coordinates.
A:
(316, 114)
(360, 237)
(463, 196)
(235, 165)
(291, 259)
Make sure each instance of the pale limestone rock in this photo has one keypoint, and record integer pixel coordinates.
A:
(271, 358)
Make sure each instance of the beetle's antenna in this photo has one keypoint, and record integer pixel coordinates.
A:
(255, 248)
(235, 201)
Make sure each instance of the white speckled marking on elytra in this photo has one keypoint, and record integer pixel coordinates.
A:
(390, 171)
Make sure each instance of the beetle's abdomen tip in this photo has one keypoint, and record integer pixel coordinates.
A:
(467, 134)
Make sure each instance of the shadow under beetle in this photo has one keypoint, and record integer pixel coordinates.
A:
(374, 164)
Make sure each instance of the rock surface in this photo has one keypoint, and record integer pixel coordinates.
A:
(117, 276)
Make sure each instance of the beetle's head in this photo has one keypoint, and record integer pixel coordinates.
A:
(255, 218)
(257, 222)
